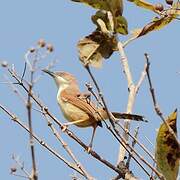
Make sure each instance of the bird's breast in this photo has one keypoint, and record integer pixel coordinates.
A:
(73, 113)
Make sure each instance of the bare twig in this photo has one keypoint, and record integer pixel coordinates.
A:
(24, 71)
(156, 107)
(66, 147)
(15, 90)
(90, 89)
(29, 111)
(40, 141)
(140, 144)
(21, 166)
(133, 89)
(133, 144)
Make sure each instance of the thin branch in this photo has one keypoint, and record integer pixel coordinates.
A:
(122, 141)
(125, 65)
(40, 141)
(21, 166)
(68, 132)
(90, 89)
(31, 141)
(24, 71)
(140, 144)
(156, 107)
(21, 176)
(133, 144)
(15, 90)
(29, 112)
(141, 79)
(129, 41)
(66, 147)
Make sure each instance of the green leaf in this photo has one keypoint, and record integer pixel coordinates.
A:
(121, 25)
(115, 6)
(93, 48)
(167, 149)
(116, 9)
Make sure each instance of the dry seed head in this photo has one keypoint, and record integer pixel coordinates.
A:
(41, 43)
(50, 47)
(32, 50)
(4, 64)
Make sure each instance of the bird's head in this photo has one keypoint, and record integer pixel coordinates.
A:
(62, 79)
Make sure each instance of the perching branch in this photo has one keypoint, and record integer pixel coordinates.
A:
(116, 134)
(68, 132)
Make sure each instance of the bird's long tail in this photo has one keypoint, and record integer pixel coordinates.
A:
(129, 116)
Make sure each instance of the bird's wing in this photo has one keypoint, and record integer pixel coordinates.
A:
(80, 100)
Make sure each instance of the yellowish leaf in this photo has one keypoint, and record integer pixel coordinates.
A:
(143, 4)
(167, 149)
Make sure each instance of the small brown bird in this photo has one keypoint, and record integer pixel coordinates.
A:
(75, 106)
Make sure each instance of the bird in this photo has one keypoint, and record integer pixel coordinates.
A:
(75, 106)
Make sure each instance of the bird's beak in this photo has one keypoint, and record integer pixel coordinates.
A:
(49, 72)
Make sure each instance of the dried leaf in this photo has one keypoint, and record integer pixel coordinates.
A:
(167, 149)
(95, 47)
(156, 25)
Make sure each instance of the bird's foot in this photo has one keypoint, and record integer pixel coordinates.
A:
(64, 127)
(89, 148)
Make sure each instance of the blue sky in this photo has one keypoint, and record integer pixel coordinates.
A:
(63, 23)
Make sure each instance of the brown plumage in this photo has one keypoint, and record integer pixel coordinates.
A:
(76, 107)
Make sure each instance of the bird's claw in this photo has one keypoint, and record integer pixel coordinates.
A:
(63, 128)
